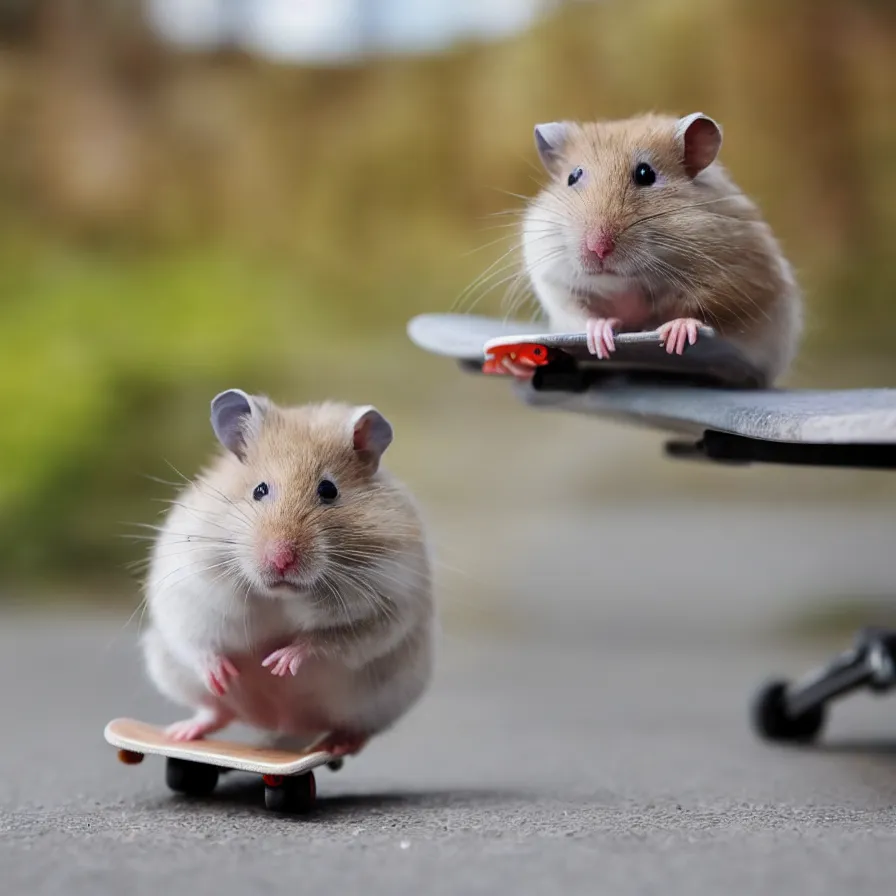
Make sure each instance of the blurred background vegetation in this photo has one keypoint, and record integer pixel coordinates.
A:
(175, 220)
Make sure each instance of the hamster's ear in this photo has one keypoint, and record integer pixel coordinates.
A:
(371, 435)
(701, 139)
(550, 139)
(236, 418)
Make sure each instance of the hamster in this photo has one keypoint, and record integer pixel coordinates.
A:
(289, 587)
(641, 228)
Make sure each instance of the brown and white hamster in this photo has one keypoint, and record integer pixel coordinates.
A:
(290, 585)
(641, 228)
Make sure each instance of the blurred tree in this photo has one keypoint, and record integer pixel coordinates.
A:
(155, 206)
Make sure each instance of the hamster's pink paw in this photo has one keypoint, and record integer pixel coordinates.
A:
(206, 721)
(599, 331)
(340, 744)
(219, 675)
(678, 333)
(286, 659)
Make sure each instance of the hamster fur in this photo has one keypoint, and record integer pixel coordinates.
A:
(290, 585)
(641, 228)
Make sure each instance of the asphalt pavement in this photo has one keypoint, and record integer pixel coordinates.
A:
(537, 764)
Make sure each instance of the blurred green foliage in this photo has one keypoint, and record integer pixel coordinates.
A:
(174, 225)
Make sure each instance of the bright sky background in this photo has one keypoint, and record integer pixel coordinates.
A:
(332, 30)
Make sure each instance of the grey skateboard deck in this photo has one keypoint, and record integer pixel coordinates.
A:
(471, 340)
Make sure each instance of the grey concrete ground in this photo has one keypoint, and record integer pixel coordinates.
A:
(587, 761)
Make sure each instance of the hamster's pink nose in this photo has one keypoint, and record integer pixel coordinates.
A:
(280, 555)
(601, 243)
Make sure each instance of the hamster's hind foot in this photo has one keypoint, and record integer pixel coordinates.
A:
(678, 333)
(206, 721)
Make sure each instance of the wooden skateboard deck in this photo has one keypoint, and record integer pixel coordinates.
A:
(475, 342)
(139, 738)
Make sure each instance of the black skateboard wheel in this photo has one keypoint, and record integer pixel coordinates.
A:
(772, 721)
(291, 793)
(193, 778)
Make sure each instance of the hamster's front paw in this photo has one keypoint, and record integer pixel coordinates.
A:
(219, 674)
(286, 659)
(679, 332)
(599, 331)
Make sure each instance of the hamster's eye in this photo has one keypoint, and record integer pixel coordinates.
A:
(645, 176)
(574, 177)
(260, 491)
(327, 491)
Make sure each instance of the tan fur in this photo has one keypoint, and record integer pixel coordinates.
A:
(687, 247)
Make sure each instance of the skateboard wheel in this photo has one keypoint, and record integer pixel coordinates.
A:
(193, 778)
(293, 794)
(129, 757)
(771, 720)
(336, 764)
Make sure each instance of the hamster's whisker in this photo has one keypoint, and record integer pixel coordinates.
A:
(542, 174)
(670, 273)
(212, 522)
(190, 572)
(187, 480)
(225, 573)
(487, 272)
(511, 234)
(242, 577)
(373, 563)
(512, 195)
(723, 274)
(201, 517)
(140, 608)
(342, 604)
(182, 538)
(203, 486)
(678, 209)
(161, 481)
(472, 297)
(200, 484)
(155, 528)
(374, 600)
(180, 553)
(514, 226)
(518, 212)
(351, 571)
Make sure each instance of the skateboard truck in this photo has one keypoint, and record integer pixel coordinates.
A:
(795, 711)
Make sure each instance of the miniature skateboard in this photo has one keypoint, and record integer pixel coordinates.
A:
(193, 767)
(562, 361)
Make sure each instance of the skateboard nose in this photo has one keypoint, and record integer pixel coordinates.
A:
(281, 556)
(601, 243)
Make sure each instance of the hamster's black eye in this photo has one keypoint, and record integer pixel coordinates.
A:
(645, 176)
(574, 176)
(327, 492)
(260, 491)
